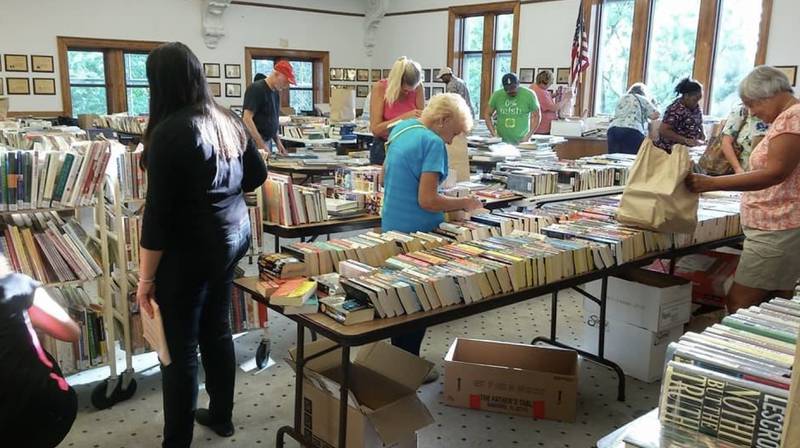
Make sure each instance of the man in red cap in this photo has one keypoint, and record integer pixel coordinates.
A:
(262, 105)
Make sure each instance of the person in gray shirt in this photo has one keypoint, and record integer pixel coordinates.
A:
(455, 85)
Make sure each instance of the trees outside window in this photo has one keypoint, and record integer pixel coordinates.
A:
(614, 51)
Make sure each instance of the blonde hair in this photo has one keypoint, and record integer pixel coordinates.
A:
(544, 77)
(405, 72)
(448, 106)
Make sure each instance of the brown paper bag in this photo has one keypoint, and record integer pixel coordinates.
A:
(457, 162)
(791, 424)
(656, 197)
(343, 105)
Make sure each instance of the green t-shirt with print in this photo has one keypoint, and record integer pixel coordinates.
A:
(514, 113)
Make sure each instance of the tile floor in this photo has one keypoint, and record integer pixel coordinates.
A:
(264, 399)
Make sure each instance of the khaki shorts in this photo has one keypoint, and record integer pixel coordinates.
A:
(770, 259)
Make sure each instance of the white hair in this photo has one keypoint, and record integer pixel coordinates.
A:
(764, 82)
(449, 105)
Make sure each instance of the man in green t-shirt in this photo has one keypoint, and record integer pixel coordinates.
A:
(517, 111)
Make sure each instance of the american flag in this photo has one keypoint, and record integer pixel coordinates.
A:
(580, 50)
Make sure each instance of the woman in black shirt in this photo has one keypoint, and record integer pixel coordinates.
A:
(195, 229)
(37, 406)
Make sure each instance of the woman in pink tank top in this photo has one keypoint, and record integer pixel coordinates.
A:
(396, 98)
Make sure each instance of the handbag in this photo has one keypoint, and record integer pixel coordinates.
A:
(713, 160)
(656, 197)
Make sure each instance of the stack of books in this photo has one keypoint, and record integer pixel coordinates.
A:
(289, 204)
(49, 248)
(277, 267)
(122, 123)
(45, 179)
(339, 208)
(533, 181)
(56, 138)
(296, 296)
(87, 311)
(256, 222)
(371, 248)
(363, 179)
(131, 177)
(732, 381)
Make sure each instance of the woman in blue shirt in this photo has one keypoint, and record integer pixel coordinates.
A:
(416, 163)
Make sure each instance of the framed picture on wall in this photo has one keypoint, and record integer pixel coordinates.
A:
(233, 90)
(350, 74)
(18, 86)
(337, 74)
(2, 87)
(233, 71)
(790, 71)
(376, 74)
(436, 91)
(562, 75)
(16, 62)
(362, 75)
(42, 64)
(526, 75)
(386, 73)
(44, 86)
(216, 89)
(212, 70)
(362, 91)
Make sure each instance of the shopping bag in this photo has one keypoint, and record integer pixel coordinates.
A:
(343, 105)
(655, 197)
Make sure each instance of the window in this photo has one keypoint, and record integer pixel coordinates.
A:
(481, 46)
(737, 44)
(310, 71)
(104, 76)
(660, 42)
(614, 51)
(136, 87)
(672, 43)
(87, 82)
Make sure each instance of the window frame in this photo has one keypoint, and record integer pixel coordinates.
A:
(705, 43)
(114, 61)
(320, 60)
(455, 41)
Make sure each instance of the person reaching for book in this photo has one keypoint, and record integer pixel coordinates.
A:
(37, 406)
(199, 162)
(770, 260)
(416, 164)
(262, 105)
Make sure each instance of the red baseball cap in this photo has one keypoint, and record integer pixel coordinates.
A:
(285, 68)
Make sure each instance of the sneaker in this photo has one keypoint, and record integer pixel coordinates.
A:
(433, 375)
(223, 429)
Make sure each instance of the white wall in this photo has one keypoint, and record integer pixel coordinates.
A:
(168, 20)
(782, 46)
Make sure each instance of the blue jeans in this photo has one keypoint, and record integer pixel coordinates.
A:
(193, 290)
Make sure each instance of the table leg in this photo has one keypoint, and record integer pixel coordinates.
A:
(277, 244)
(601, 339)
(343, 395)
(296, 431)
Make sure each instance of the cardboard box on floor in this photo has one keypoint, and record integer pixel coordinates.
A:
(638, 351)
(647, 299)
(519, 379)
(383, 408)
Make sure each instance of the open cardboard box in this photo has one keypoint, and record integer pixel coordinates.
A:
(519, 379)
(383, 408)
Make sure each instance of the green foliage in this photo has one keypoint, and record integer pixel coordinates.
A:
(86, 67)
(88, 100)
(615, 49)
(138, 100)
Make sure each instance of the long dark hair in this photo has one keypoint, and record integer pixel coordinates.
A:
(177, 81)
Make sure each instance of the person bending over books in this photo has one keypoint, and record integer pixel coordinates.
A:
(683, 119)
(770, 262)
(396, 98)
(37, 406)
(416, 163)
(195, 228)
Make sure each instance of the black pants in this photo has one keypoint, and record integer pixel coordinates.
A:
(194, 293)
(43, 420)
(377, 151)
(410, 342)
(624, 140)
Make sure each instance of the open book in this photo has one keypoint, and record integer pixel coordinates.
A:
(154, 333)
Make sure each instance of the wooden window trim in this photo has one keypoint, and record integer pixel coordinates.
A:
(321, 67)
(707, 35)
(455, 53)
(113, 51)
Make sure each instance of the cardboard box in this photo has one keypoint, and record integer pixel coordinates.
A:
(638, 351)
(647, 299)
(383, 408)
(711, 274)
(519, 379)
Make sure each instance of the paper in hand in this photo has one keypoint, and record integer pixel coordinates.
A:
(154, 333)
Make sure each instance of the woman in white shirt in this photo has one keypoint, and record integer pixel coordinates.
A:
(630, 124)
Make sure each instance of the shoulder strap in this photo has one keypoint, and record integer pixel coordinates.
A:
(400, 132)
